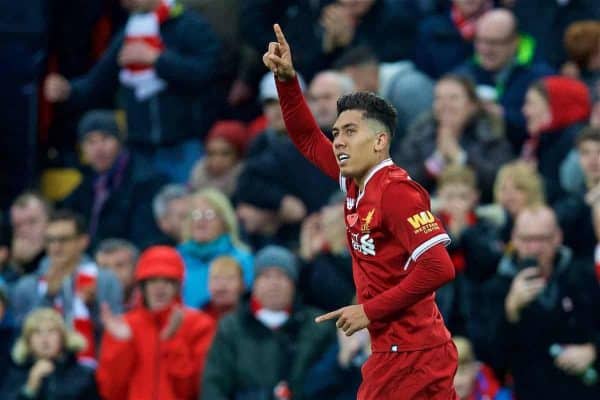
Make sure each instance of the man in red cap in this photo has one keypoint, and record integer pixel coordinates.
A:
(157, 350)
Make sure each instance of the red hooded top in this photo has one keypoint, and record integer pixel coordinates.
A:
(146, 366)
(569, 101)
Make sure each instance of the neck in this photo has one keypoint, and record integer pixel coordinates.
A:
(361, 180)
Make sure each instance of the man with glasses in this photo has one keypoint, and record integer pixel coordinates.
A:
(540, 314)
(503, 68)
(68, 280)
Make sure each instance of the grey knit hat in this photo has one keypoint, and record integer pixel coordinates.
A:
(278, 257)
(99, 120)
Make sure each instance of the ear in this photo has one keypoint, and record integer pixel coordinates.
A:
(382, 141)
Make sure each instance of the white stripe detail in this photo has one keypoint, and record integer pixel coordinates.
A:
(426, 245)
(142, 25)
(385, 163)
(342, 182)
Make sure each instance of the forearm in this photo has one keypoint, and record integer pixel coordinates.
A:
(432, 270)
(303, 129)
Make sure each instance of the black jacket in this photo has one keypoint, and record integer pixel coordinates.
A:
(69, 381)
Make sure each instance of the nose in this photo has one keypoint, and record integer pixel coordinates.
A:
(338, 143)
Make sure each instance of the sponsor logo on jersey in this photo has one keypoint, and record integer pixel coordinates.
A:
(363, 243)
(423, 222)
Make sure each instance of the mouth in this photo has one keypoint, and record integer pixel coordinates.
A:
(342, 158)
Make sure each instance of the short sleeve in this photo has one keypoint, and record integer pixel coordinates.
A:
(407, 215)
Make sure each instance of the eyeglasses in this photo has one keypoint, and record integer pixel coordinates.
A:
(59, 239)
(208, 214)
(535, 238)
(495, 42)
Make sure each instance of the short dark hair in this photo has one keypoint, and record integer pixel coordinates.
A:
(588, 134)
(373, 106)
(360, 55)
(70, 216)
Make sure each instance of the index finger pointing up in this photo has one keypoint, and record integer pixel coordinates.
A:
(279, 35)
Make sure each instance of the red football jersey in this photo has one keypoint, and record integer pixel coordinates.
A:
(389, 225)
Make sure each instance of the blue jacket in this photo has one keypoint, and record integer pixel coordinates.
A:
(197, 258)
(186, 108)
(440, 47)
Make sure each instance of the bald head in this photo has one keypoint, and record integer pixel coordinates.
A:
(496, 39)
(536, 234)
(323, 92)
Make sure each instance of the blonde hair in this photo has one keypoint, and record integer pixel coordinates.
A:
(464, 349)
(457, 174)
(224, 209)
(71, 341)
(225, 263)
(525, 178)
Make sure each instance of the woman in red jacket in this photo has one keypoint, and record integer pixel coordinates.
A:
(157, 350)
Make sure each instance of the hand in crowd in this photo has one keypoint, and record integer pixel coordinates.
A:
(138, 53)
(291, 210)
(278, 57)
(526, 286)
(54, 278)
(338, 25)
(256, 220)
(115, 324)
(350, 346)
(312, 238)
(37, 373)
(175, 320)
(447, 144)
(88, 293)
(576, 358)
(56, 88)
(350, 319)
(494, 108)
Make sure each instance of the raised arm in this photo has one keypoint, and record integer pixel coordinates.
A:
(300, 124)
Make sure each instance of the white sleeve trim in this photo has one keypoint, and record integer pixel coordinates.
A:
(342, 182)
(442, 238)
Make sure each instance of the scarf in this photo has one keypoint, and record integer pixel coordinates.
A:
(103, 186)
(467, 25)
(145, 27)
(84, 276)
(269, 318)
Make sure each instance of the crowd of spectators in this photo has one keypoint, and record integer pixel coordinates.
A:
(161, 236)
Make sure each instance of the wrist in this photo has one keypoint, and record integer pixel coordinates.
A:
(511, 311)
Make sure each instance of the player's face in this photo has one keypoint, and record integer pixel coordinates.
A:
(354, 144)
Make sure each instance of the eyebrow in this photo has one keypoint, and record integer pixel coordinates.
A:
(346, 126)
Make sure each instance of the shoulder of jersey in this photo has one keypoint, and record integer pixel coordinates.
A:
(397, 174)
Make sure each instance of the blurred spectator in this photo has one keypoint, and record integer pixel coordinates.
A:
(171, 207)
(163, 65)
(211, 230)
(336, 376)
(576, 210)
(45, 363)
(542, 303)
(503, 68)
(546, 22)
(225, 286)
(120, 256)
(70, 281)
(445, 40)
(475, 248)
(582, 42)
(409, 90)
(326, 277)
(322, 29)
(7, 331)
(474, 380)
(265, 348)
(24, 30)
(158, 350)
(324, 91)
(225, 147)
(517, 186)
(271, 193)
(29, 215)
(458, 131)
(555, 110)
(116, 192)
